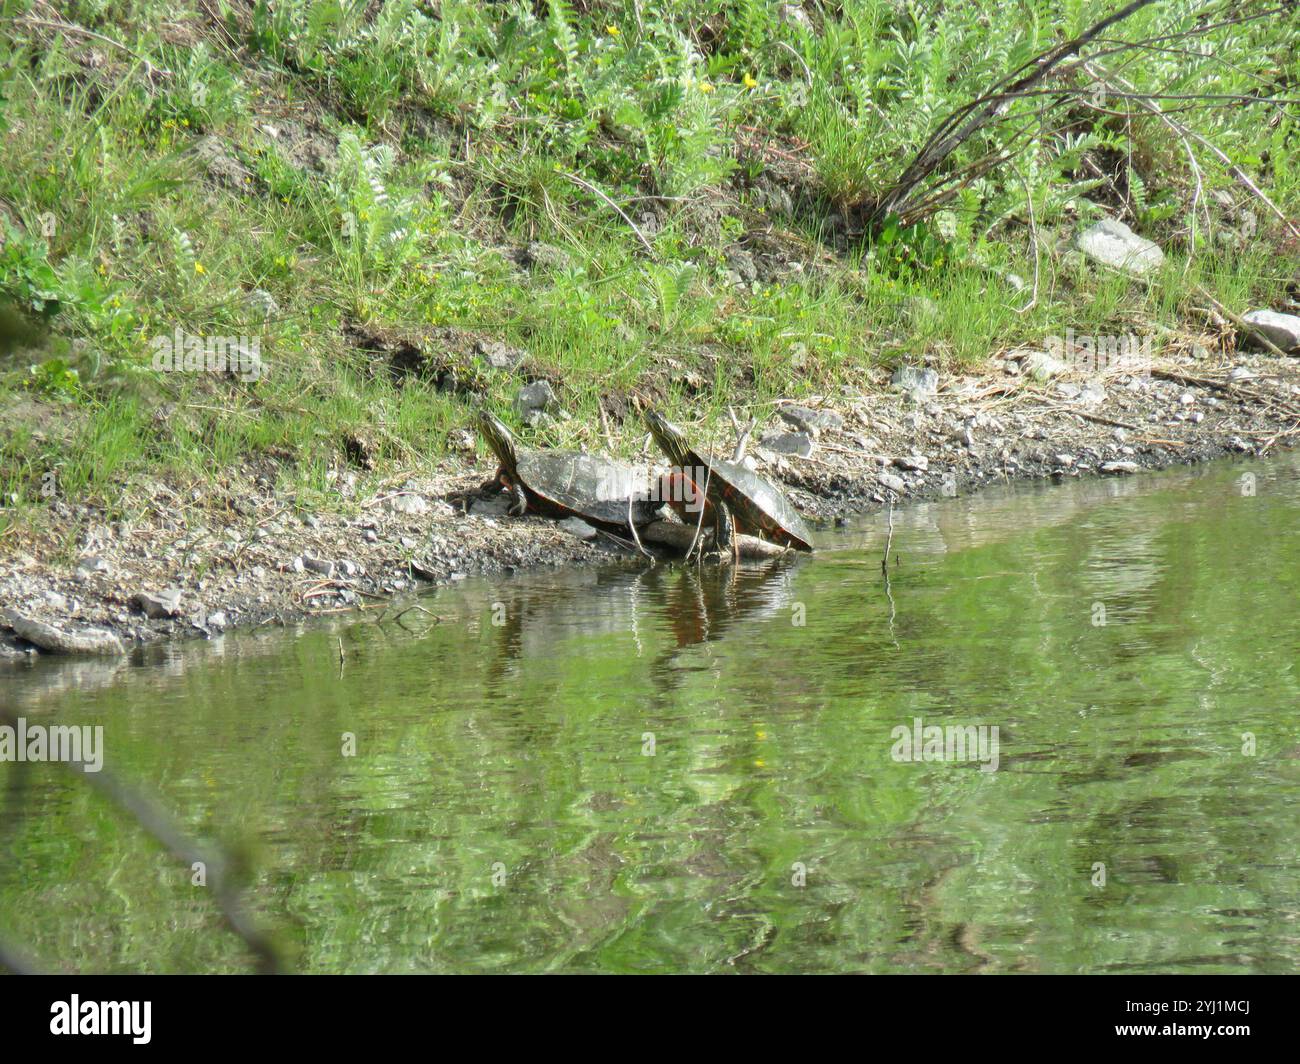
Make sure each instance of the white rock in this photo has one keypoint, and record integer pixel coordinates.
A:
(412, 505)
(577, 527)
(1282, 329)
(1112, 243)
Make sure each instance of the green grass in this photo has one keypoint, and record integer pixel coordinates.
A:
(453, 139)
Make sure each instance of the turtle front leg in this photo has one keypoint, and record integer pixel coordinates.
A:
(497, 483)
(724, 534)
(519, 504)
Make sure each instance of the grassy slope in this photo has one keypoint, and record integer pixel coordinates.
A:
(382, 169)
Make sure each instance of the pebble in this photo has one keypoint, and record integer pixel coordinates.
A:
(575, 526)
(408, 503)
(799, 444)
(809, 420)
(316, 565)
(156, 607)
(918, 382)
(536, 397)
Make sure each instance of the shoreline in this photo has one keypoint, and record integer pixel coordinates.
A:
(243, 557)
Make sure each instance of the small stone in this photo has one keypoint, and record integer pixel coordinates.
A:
(918, 382)
(1186, 399)
(348, 569)
(1093, 393)
(1282, 329)
(546, 257)
(1042, 366)
(893, 483)
(538, 396)
(809, 420)
(262, 303)
(1120, 467)
(156, 607)
(408, 503)
(795, 443)
(496, 506)
(370, 535)
(55, 601)
(499, 355)
(217, 620)
(89, 566)
(318, 565)
(1063, 461)
(917, 463)
(575, 526)
(1112, 243)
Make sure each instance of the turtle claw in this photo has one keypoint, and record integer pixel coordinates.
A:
(519, 505)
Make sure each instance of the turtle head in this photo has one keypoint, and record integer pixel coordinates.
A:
(669, 437)
(499, 439)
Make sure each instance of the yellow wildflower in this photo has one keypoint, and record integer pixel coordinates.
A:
(198, 268)
(613, 31)
(750, 81)
(705, 87)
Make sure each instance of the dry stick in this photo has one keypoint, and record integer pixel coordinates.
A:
(742, 435)
(604, 423)
(1292, 431)
(699, 525)
(69, 27)
(159, 825)
(962, 124)
(1241, 323)
(884, 562)
(340, 657)
(636, 535)
(1225, 387)
(617, 209)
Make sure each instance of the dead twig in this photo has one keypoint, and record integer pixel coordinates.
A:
(588, 186)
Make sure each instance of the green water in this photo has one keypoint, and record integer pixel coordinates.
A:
(503, 811)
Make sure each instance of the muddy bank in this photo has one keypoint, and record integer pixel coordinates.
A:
(196, 566)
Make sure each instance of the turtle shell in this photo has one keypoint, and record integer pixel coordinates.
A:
(601, 491)
(758, 506)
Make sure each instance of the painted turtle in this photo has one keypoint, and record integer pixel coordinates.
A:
(600, 491)
(757, 506)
